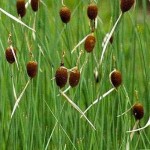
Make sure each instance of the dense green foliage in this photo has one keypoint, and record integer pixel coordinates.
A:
(45, 120)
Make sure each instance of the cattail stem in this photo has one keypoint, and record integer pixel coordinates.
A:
(27, 4)
(147, 124)
(33, 33)
(107, 41)
(13, 86)
(66, 90)
(62, 2)
(79, 57)
(85, 62)
(135, 127)
(19, 98)
(125, 112)
(98, 100)
(77, 108)
(80, 42)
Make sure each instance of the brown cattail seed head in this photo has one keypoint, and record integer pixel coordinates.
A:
(89, 43)
(32, 68)
(61, 76)
(65, 14)
(125, 5)
(21, 10)
(138, 111)
(35, 5)
(10, 55)
(92, 11)
(116, 78)
(74, 77)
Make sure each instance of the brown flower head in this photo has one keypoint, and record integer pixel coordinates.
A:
(138, 111)
(92, 11)
(74, 77)
(61, 76)
(35, 5)
(116, 78)
(125, 5)
(10, 55)
(90, 43)
(65, 14)
(21, 10)
(32, 68)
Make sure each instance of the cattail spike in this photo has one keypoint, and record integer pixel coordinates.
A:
(90, 43)
(126, 5)
(138, 111)
(21, 10)
(35, 5)
(65, 14)
(92, 11)
(74, 77)
(115, 78)
(61, 76)
(32, 68)
(10, 54)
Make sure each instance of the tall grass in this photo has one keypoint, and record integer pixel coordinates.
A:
(45, 120)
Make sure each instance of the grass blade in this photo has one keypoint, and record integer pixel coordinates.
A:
(15, 19)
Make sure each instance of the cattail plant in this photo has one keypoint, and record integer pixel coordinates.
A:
(142, 128)
(74, 74)
(65, 14)
(74, 77)
(21, 10)
(19, 98)
(35, 5)
(138, 113)
(92, 11)
(125, 5)
(61, 76)
(116, 80)
(90, 43)
(10, 54)
(32, 68)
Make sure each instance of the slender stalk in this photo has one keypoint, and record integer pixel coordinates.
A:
(27, 4)
(66, 90)
(147, 124)
(51, 135)
(19, 98)
(13, 86)
(98, 100)
(107, 41)
(125, 112)
(80, 42)
(34, 22)
(135, 127)
(77, 108)
(15, 19)
(62, 2)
